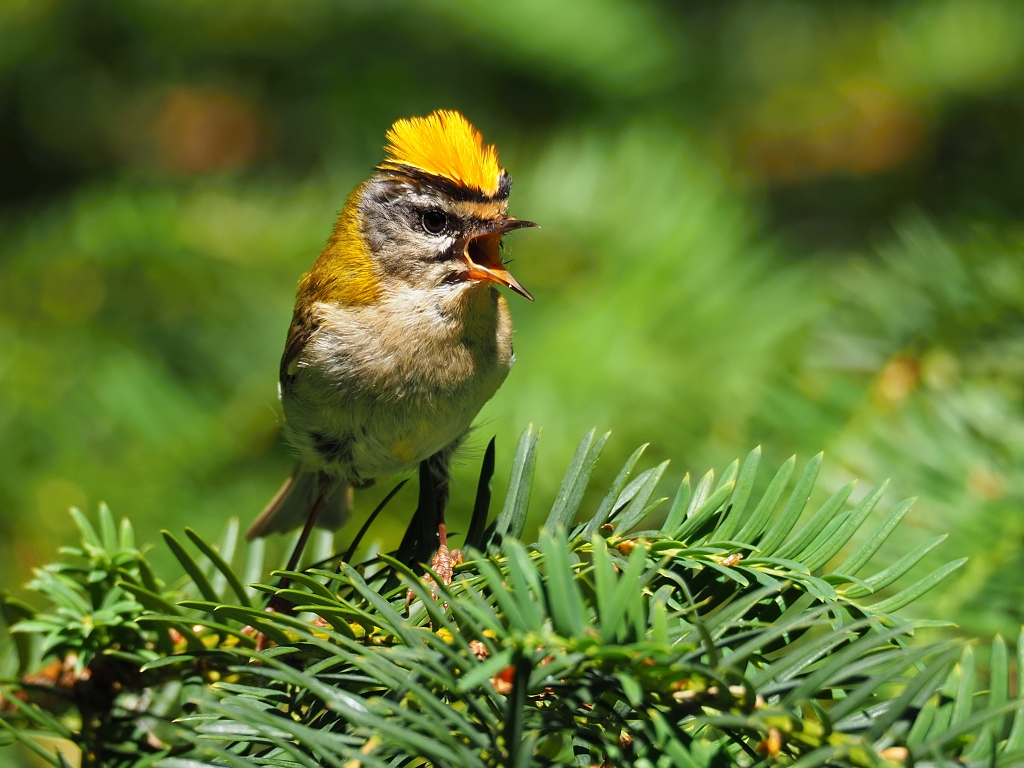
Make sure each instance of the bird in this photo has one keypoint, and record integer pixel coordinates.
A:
(399, 335)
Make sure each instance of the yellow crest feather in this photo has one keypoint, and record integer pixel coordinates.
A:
(445, 144)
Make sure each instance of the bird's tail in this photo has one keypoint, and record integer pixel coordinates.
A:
(293, 504)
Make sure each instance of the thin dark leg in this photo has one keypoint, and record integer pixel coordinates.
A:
(300, 545)
(419, 544)
(444, 560)
(438, 464)
(280, 605)
(434, 493)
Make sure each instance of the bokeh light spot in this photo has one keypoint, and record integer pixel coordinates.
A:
(985, 482)
(205, 130)
(804, 134)
(964, 44)
(898, 380)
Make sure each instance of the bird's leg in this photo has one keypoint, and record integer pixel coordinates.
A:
(307, 529)
(438, 465)
(443, 561)
(280, 605)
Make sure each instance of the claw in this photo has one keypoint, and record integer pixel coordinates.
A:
(443, 564)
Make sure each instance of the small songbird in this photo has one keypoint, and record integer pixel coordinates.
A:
(399, 336)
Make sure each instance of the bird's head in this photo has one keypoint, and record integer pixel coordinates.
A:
(432, 216)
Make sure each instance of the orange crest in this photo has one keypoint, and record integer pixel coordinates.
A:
(445, 144)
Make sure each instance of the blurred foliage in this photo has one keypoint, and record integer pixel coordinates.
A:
(795, 223)
(725, 636)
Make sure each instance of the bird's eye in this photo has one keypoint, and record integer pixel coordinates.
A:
(434, 222)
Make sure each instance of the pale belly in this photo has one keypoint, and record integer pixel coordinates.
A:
(366, 438)
(364, 406)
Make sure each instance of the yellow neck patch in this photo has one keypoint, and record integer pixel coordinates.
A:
(344, 273)
(445, 144)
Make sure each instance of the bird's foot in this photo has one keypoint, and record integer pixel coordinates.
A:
(443, 564)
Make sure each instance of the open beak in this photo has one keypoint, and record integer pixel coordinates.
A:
(483, 255)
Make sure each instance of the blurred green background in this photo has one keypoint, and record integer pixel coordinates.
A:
(797, 224)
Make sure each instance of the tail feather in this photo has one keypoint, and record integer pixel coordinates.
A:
(292, 504)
